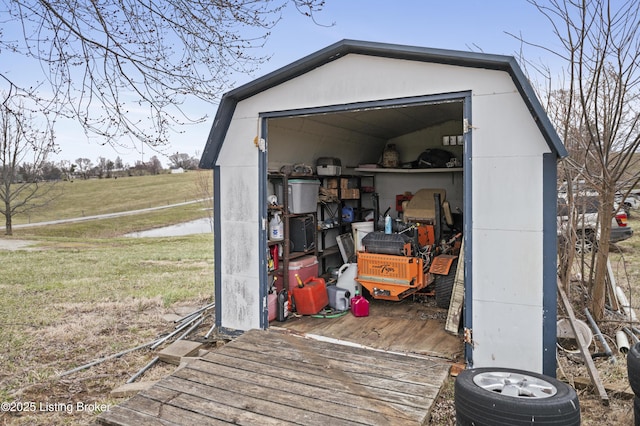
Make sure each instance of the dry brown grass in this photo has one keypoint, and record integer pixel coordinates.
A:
(68, 303)
(90, 331)
(625, 262)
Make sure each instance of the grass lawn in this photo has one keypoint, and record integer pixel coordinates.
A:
(83, 292)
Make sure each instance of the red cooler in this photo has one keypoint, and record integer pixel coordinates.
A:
(306, 267)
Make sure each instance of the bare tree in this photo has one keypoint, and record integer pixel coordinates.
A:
(101, 167)
(68, 169)
(118, 165)
(182, 160)
(24, 146)
(204, 192)
(103, 61)
(154, 165)
(84, 166)
(600, 120)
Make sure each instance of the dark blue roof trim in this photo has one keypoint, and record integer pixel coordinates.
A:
(344, 47)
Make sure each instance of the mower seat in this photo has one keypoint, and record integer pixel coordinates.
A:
(422, 208)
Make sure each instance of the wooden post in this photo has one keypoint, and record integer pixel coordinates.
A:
(591, 368)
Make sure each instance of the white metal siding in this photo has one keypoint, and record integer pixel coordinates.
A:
(507, 152)
(507, 293)
(358, 78)
(239, 227)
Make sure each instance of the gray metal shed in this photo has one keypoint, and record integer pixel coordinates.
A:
(354, 97)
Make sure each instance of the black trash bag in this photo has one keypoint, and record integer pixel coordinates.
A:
(433, 158)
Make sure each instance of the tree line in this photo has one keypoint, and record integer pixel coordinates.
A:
(84, 168)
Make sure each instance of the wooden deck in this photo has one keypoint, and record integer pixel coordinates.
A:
(280, 377)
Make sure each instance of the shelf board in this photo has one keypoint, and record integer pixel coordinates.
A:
(328, 251)
(383, 170)
(297, 254)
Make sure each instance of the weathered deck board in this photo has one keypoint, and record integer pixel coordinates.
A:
(274, 377)
(332, 391)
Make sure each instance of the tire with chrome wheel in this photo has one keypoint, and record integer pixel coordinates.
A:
(510, 397)
(633, 368)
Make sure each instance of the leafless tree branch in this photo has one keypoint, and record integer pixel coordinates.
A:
(106, 64)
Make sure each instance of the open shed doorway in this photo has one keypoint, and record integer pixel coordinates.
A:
(358, 135)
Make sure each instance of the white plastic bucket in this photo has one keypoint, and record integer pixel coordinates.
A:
(360, 229)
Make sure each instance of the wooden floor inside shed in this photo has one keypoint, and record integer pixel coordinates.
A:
(279, 377)
(405, 326)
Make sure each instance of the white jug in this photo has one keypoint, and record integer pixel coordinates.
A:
(347, 278)
(276, 228)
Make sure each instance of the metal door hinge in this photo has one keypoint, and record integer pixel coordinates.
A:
(468, 336)
(466, 127)
(260, 143)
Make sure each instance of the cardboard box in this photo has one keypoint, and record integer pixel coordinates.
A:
(333, 192)
(332, 183)
(350, 194)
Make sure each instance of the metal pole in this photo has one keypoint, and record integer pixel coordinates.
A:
(598, 334)
(206, 336)
(145, 368)
(170, 335)
(193, 327)
(634, 338)
(101, 360)
(194, 313)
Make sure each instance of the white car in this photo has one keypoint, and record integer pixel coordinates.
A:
(628, 203)
(587, 223)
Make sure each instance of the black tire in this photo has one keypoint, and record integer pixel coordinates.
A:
(633, 368)
(479, 399)
(636, 410)
(444, 286)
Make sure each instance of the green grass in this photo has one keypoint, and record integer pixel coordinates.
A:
(99, 196)
(83, 290)
(114, 227)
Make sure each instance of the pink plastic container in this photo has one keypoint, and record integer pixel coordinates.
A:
(359, 306)
(272, 303)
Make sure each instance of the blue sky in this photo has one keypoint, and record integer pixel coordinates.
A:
(456, 24)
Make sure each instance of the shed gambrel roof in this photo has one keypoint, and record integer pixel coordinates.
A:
(414, 53)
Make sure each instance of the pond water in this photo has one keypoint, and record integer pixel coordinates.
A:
(199, 226)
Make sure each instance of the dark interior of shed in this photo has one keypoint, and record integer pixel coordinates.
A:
(365, 194)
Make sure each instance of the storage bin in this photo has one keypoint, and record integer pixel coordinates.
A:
(306, 267)
(328, 170)
(302, 193)
(312, 297)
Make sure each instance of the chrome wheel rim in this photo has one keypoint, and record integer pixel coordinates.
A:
(515, 385)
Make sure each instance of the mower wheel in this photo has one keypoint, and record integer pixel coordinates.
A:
(444, 286)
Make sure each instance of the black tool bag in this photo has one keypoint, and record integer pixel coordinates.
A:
(433, 158)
